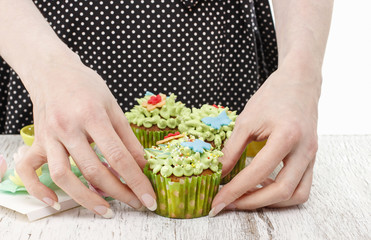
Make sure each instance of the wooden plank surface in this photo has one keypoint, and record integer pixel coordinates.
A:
(339, 208)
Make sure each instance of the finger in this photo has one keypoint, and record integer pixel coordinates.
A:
(234, 148)
(127, 136)
(23, 149)
(99, 175)
(60, 171)
(302, 192)
(279, 191)
(267, 182)
(121, 160)
(259, 169)
(26, 167)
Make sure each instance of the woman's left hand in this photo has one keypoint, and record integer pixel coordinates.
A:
(283, 111)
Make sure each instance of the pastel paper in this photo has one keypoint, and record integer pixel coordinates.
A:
(10, 187)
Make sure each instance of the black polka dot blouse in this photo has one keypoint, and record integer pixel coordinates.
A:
(204, 51)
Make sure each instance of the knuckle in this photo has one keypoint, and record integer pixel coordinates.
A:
(292, 132)
(301, 196)
(58, 121)
(116, 156)
(20, 167)
(86, 112)
(242, 122)
(285, 192)
(57, 174)
(92, 172)
(312, 147)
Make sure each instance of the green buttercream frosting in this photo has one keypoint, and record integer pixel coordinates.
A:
(173, 158)
(169, 115)
(192, 124)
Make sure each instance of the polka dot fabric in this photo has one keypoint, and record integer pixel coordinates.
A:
(204, 51)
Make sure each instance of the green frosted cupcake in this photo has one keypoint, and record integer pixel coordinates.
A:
(185, 174)
(214, 124)
(155, 116)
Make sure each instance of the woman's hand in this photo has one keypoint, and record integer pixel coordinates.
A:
(72, 108)
(284, 111)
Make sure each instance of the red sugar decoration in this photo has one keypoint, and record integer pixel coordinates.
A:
(154, 99)
(217, 106)
(172, 135)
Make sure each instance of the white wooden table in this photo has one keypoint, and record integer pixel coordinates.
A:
(339, 208)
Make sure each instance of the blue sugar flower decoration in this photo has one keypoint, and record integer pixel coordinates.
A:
(217, 122)
(197, 145)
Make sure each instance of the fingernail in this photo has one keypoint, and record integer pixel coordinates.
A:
(135, 203)
(104, 211)
(215, 210)
(52, 203)
(149, 202)
(231, 206)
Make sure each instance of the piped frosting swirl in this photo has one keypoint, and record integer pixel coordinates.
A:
(184, 156)
(167, 115)
(200, 123)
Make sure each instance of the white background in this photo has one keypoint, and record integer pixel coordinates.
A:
(345, 104)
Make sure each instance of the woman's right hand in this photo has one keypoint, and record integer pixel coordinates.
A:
(72, 108)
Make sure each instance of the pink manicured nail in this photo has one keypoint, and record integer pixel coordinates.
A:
(52, 203)
(104, 211)
(149, 202)
(215, 210)
(3, 167)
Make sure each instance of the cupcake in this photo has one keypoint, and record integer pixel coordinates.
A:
(156, 116)
(185, 174)
(215, 125)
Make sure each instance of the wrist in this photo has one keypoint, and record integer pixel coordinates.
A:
(303, 71)
(34, 75)
(303, 60)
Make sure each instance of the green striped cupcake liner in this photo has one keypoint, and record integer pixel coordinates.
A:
(191, 197)
(240, 165)
(149, 138)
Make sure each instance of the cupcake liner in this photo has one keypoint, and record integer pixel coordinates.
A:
(241, 163)
(149, 138)
(191, 197)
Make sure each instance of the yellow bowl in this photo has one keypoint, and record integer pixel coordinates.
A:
(254, 147)
(28, 134)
